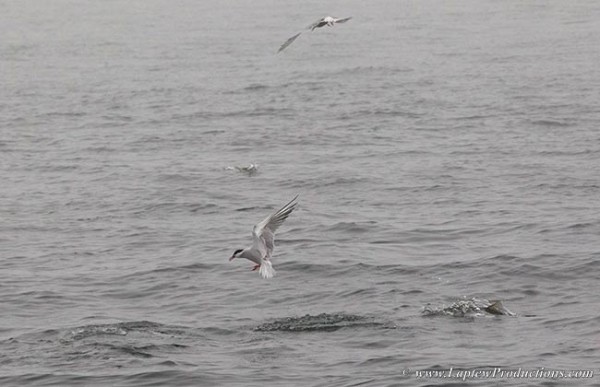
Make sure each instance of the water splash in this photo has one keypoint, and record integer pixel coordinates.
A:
(250, 170)
(473, 307)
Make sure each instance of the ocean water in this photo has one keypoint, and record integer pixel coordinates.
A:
(446, 153)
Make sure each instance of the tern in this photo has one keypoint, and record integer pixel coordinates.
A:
(263, 240)
(326, 21)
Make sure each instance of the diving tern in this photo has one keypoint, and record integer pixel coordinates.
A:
(326, 21)
(263, 241)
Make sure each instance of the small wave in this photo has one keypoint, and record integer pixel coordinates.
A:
(579, 226)
(583, 225)
(357, 227)
(254, 208)
(255, 87)
(553, 123)
(129, 350)
(323, 322)
(122, 343)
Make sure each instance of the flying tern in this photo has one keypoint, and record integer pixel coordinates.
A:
(263, 241)
(326, 21)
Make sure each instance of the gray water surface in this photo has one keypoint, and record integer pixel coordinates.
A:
(443, 151)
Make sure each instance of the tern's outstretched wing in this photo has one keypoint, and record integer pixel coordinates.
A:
(275, 220)
(315, 24)
(288, 42)
(263, 233)
(343, 20)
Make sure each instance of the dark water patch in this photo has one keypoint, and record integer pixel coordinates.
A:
(254, 208)
(379, 360)
(213, 132)
(352, 227)
(323, 322)
(552, 123)
(581, 226)
(256, 87)
(404, 292)
(252, 88)
(309, 85)
(100, 149)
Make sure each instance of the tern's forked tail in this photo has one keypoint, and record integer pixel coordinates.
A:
(266, 269)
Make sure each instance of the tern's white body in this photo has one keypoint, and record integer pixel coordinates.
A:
(263, 240)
